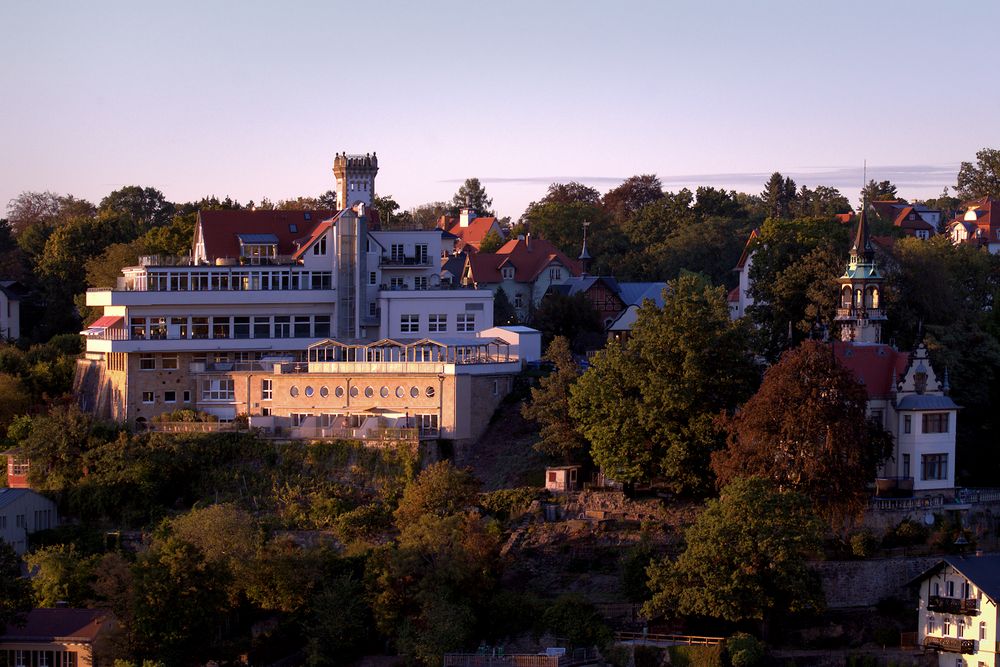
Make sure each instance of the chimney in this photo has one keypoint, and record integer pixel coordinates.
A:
(527, 241)
(466, 215)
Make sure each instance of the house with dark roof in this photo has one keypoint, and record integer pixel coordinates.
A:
(11, 294)
(524, 268)
(616, 302)
(917, 220)
(22, 512)
(59, 637)
(958, 612)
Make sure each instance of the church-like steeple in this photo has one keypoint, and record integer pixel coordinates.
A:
(584, 255)
(861, 312)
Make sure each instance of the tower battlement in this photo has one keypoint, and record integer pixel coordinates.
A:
(355, 176)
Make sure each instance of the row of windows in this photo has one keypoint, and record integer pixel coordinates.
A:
(946, 627)
(226, 326)
(932, 466)
(267, 391)
(169, 396)
(437, 323)
(245, 280)
(170, 361)
(424, 423)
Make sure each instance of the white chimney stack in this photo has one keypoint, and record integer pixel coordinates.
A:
(465, 216)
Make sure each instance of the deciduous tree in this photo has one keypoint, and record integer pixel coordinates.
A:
(745, 559)
(649, 405)
(806, 429)
(15, 591)
(440, 490)
(981, 179)
(549, 405)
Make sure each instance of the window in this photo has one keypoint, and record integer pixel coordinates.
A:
(187, 396)
(414, 392)
(507, 272)
(875, 417)
(384, 392)
(220, 327)
(138, 328)
(294, 391)
(400, 392)
(302, 326)
(282, 326)
(396, 252)
(372, 278)
(906, 465)
(322, 325)
(420, 282)
(907, 423)
(372, 312)
(946, 626)
(170, 397)
(309, 391)
(299, 418)
(147, 397)
(951, 589)
(199, 327)
(519, 300)
(397, 283)
(339, 392)
(218, 389)
(437, 323)
(147, 362)
(496, 387)
(261, 327)
(319, 248)
(555, 273)
(934, 466)
(241, 327)
(369, 392)
(465, 322)
(935, 422)
(409, 323)
(427, 424)
(324, 391)
(966, 590)
(960, 627)
(420, 250)
(168, 362)
(265, 412)
(429, 392)
(266, 389)
(982, 630)
(20, 522)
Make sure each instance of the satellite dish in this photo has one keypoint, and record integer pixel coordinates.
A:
(929, 519)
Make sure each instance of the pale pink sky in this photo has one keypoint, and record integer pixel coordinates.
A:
(252, 99)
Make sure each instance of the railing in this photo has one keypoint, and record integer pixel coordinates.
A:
(154, 261)
(862, 313)
(962, 606)
(370, 435)
(950, 644)
(516, 660)
(404, 261)
(687, 640)
(893, 504)
(966, 496)
(191, 427)
(111, 334)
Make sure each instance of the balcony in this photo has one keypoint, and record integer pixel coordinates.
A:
(950, 645)
(960, 606)
(404, 262)
(852, 313)
(894, 487)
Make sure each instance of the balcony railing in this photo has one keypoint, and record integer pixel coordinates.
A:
(961, 606)
(950, 644)
(861, 313)
(404, 262)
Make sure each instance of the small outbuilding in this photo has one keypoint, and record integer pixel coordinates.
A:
(562, 479)
(22, 512)
(58, 637)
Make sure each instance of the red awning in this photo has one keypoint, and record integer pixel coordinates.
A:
(106, 322)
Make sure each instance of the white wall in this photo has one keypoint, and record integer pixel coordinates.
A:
(424, 303)
(26, 505)
(10, 317)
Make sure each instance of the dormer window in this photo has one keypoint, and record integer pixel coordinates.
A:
(258, 248)
(507, 272)
(319, 248)
(293, 228)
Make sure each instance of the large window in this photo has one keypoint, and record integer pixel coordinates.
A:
(322, 326)
(282, 326)
(241, 327)
(221, 389)
(169, 362)
(936, 422)
(266, 389)
(465, 322)
(427, 424)
(934, 466)
(437, 323)
(261, 327)
(147, 362)
(409, 323)
(396, 252)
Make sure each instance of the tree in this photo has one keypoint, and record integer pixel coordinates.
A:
(745, 559)
(55, 443)
(572, 192)
(577, 619)
(981, 179)
(549, 405)
(426, 216)
(62, 574)
(338, 624)
(142, 208)
(823, 201)
(503, 311)
(649, 405)
(491, 242)
(573, 317)
(778, 196)
(440, 489)
(806, 429)
(14, 400)
(628, 198)
(878, 191)
(386, 207)
(473, 195)
(15, 591)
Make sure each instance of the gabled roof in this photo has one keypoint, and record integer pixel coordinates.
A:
(873, 364)
(844, 218)
(8, 496)
(474, 234)
(747, 250)
(529, 259)
(221, 229)
(982, 571)
(61, 624)
(903, 220)
(317, 232)
(12, 289)
(634, 294)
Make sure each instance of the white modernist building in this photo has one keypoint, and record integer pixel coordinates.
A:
(258, 291)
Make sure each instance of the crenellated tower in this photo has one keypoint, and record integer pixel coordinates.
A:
(355, 178)
(860, 311)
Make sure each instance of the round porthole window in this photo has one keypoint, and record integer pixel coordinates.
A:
(324, 391)
(339, 391)
(430, 392)
(354, 392)
(414, 392)
(294, 391)
(309, 391)
(369, 392)
(383, 392)
(400, 392)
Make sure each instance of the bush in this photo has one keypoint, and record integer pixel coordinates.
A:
(909, 533)
(363, 523)
(505, 504)
(695, 656)
(745, 650)
(863, 544)
(576, 618)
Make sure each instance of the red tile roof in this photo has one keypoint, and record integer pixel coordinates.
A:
(472, 235)
(529, 259)
(65, 624)
(903, 220)
(873, 364)
(220, 229)
(983, 208)
(734, 295)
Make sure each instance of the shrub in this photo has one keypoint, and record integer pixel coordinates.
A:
(745, 650)
(505, 504)
(863, 544)
(909, 533)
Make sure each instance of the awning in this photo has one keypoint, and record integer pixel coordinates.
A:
(99, 325)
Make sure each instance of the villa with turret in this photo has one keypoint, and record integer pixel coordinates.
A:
(306, 324)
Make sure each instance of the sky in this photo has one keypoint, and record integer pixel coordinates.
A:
(252, 99)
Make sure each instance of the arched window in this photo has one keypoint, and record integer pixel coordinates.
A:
(875, 297)
(845, 298)
(858, 298)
